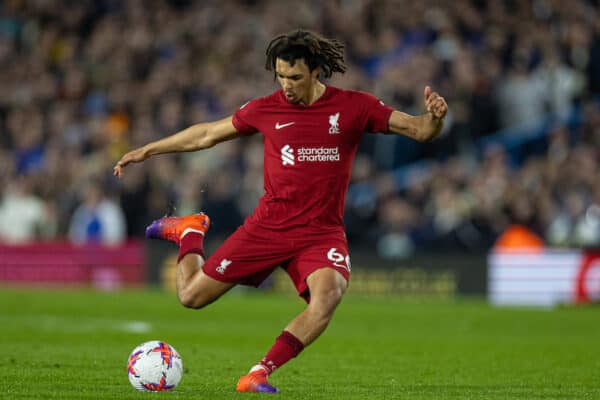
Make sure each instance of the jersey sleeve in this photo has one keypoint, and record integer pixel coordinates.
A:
(245, 118)
(376, 115)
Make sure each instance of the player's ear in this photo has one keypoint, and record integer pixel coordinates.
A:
(315, 72)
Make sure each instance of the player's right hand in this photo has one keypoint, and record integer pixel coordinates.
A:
(133, 156)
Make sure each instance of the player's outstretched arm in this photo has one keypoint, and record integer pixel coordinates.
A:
(423, 128)
(196, 137)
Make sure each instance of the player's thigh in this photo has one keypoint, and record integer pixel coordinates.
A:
(209, 289)
(246, 258)
(329, 253)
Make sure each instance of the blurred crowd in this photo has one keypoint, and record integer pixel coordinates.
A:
(84, 81)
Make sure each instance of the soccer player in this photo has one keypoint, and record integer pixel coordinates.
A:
(311, 134)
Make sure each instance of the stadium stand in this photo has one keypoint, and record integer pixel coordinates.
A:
(84, 81)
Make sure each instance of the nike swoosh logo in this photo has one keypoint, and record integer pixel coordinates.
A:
(277, 126)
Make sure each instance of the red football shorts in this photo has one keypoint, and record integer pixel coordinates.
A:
(249, 258)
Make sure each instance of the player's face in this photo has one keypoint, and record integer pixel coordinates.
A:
(296, 81)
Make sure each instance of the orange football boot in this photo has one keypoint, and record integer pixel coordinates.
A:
(255, 381)
(173, 228)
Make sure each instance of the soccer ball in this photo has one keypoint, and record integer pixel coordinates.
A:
(154, 366)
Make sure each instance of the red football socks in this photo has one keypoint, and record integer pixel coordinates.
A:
(286, 347)
(191, 242)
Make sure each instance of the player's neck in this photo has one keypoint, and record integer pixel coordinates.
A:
(314, 94)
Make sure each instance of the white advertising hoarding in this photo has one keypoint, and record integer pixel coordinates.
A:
(543, 278)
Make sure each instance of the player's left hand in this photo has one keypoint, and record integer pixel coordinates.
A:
(134, 156)
(435, 104)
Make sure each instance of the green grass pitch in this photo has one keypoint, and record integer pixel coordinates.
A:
(74, 345)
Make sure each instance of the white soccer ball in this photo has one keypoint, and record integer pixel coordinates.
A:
(154, 366)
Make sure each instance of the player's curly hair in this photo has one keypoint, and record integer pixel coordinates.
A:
(315, 50)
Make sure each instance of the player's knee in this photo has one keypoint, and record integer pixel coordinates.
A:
(192, 300)
(333, 297)
(324, 303)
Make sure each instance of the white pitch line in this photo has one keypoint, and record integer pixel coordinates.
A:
(53, 323)
(135, 327)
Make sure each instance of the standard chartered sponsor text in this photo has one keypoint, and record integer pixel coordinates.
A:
(316, 154)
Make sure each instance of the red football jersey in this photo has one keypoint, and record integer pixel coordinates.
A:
(308, 155)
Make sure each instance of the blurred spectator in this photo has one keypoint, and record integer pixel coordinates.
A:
(219, 203)
(361, 200)
(24, 217)
(98, 219)
(521, 98)
(396, 219)
(561, 84)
